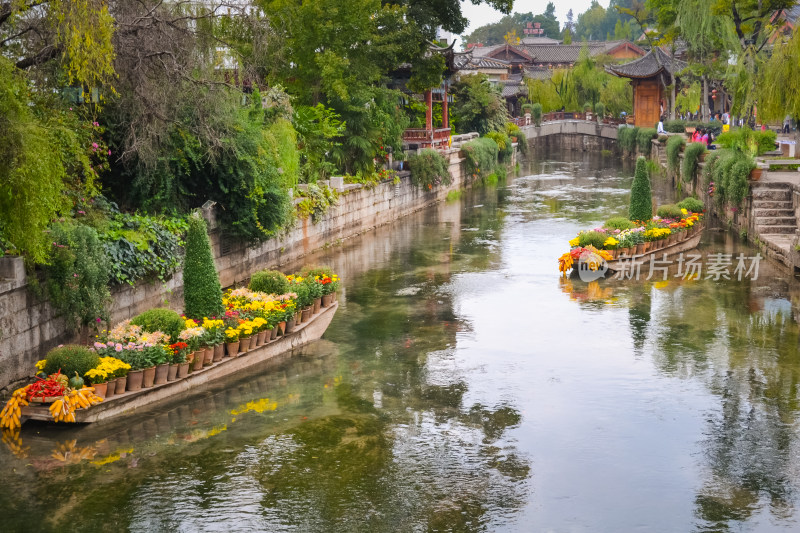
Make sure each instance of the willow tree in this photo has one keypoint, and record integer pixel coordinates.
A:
(779, 90)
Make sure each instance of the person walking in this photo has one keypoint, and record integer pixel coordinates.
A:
(660, 128)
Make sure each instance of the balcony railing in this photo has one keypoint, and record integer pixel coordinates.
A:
(436, 138)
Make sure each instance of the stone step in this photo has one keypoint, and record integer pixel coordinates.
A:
(766, 212)
(771, 185)
(763, 193)
(776, 221)
(772, 204)
(783, 230)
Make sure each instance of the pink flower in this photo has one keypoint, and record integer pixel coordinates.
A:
(74, 275)
(97, 319)
(109, 152)
(94, 146)
(95, 124)
(118, 348)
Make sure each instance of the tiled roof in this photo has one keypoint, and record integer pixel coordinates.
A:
(514, 90)
(649, 65)
(553, 52)
(539, 40)
(485, 62)
(539, 73)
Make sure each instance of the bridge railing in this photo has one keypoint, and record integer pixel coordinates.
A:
(437, 138)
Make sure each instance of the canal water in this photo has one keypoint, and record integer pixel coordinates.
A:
(464, 386)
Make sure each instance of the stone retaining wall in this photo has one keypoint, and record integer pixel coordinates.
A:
(29, 327)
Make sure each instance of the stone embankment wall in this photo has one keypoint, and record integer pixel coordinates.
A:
(767, 216)
(29, 326)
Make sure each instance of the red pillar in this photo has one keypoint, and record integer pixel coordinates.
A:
(429, 110)
(445, 109)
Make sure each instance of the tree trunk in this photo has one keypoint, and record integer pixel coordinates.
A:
(672, 99)
(704, 104)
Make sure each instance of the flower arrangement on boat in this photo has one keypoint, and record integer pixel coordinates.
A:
(619, 237)
(159, 345)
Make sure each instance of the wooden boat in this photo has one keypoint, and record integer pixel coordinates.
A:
(626, 262)
(137, 401)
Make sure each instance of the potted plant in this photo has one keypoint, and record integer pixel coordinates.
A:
(232, 342)
(179, 352)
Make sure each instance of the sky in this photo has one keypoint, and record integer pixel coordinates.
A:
(484, 14)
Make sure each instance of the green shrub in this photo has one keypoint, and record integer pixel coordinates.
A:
(675, 126)
(674, 145)
(513, 131)
(641, 206)
(480, 156)
(692, 204)
(78, 275)
(691, 158)
(644, 139)
(620, 223)
(504, 146)
(748, 141)
(669, 211)
(593, 238)
(627, 138)
(70, 359)
(270, 282)
(730, 174)
(163, 320)
(429, 168)
(708, 169)
(536, 113)
(600, 110)
(202, 293)
(527, 108)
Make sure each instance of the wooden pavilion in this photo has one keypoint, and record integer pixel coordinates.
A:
(650, 75)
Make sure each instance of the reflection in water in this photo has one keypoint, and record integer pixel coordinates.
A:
(464, 386)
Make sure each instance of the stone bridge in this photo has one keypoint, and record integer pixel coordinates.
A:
(572, 135)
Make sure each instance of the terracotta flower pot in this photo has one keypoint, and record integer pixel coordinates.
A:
(208, 356)
(219, 353)
(111, 387)
(183, 370)
(148, 377)
(135, 380)
(162, 371)
(289, 326)
(327, 300)
(273, 333)
(172, 375)
(639, 249)
(100, 389)
(755, 174)
(282, 327)
(244, 344)
(233, 348)
(317, 304)
(122, 385)
(253, 342)
(262, 337)
(199, 355)
(307, 312)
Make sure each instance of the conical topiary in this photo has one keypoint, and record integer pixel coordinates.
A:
(202, 293)
(641, 207)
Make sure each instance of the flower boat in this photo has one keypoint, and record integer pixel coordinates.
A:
(121, 369)
(620, 244)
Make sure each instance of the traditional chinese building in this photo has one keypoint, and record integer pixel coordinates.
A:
(649, 76)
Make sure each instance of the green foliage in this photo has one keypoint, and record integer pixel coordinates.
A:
(428, 169)
(692, 205)
(454, 195)
(316, 201)
(675, 126)
(504, 145)
(778, 94)
(592, 238)
(748, 141)
(512, 130)
(536, 113)
(70, 359)
(478, 105)
(627, 138)
(644, 139)
(641, 206)
(600, 110)
(163, 320)
(620, 223)
(77, 277)
(480, 156)
(669, 211)
(691, 158)
(689, 98)
(270, 282)
(318, 128)
(202, 293)
(427, 73)
(730, 173)
(674, 145)
(527, 108)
